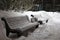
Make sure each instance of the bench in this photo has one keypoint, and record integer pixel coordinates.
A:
(18, 26)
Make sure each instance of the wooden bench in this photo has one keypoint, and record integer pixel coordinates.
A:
(18, 26)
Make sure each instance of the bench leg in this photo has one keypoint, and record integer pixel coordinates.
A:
(37, 26)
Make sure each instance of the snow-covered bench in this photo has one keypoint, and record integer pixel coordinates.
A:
(20, 26)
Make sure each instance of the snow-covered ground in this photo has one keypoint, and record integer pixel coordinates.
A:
(48, 31)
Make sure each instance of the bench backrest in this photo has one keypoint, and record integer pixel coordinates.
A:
(16, 22)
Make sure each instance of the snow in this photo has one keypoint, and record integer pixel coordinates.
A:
(41, 15)
(48, 31)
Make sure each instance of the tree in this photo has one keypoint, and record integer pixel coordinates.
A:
(15, 4)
